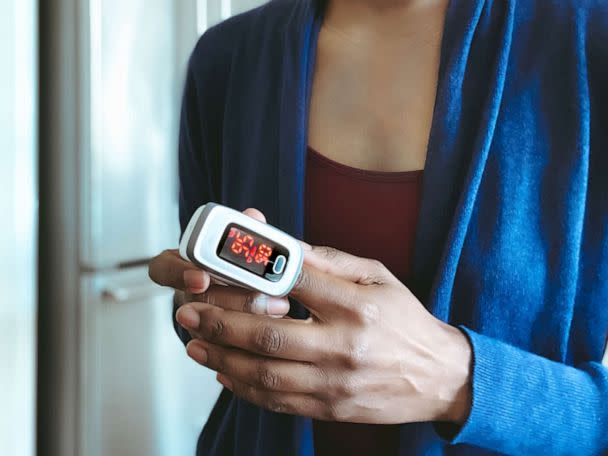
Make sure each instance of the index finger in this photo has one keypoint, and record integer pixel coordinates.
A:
(323, 293)
(355, 269)
(299, 340)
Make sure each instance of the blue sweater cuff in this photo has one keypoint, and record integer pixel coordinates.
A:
(525, 404)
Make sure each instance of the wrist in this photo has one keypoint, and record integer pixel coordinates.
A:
(453, 374)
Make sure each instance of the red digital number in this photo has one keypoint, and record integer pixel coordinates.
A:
(245, 245)
(248, 242)
(237, 244)
(263, 255)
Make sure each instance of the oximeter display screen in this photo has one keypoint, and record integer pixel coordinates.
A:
(253, 253)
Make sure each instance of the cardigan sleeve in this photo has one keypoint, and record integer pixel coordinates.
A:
(523, 403)
(200, 130)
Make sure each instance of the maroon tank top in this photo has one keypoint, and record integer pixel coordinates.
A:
(370, 214)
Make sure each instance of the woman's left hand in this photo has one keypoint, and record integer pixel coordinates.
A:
(369, 353)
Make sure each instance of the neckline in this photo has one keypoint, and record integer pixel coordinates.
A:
(318, 18)
(364, 174)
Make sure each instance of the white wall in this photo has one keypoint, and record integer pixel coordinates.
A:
(18, 207)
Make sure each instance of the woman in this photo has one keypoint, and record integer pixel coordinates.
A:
(458, 144)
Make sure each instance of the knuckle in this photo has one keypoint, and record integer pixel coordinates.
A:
(335, 412)
(340, 387)
(250, 303)
(378, 265)
(214, 328)
(347, 387)
(249, 393)
(268, 340)
(373, 272)
(355, 352)
(266, 378)
(217, 363)
(218, 328)
(328, 252)
(366, 313)
(303, 281)
(276, 405)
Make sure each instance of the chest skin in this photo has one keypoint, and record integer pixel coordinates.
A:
(373, 93)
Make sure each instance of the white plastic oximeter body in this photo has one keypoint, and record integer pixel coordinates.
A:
(239, 250)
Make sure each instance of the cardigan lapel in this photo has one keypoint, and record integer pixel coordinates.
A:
(299, 49)
(475, 53)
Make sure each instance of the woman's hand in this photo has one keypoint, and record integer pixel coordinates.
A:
(194, 285)
(370, 352)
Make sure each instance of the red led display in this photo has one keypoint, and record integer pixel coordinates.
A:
(252, 252)
(244, 245)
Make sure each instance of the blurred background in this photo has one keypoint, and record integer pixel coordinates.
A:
(89, 111)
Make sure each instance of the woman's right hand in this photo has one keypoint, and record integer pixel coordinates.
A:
(195, 285)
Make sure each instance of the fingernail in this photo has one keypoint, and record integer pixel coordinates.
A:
(196, 352)
(276, 306)
(224, 381)
(194, 281)
(188, 317)
(263, 304)
(195, 291)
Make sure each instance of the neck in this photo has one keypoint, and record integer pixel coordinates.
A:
(362, 18)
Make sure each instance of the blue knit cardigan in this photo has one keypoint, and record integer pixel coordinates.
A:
(512, 241)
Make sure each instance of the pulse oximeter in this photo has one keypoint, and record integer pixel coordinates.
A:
(239, 250)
